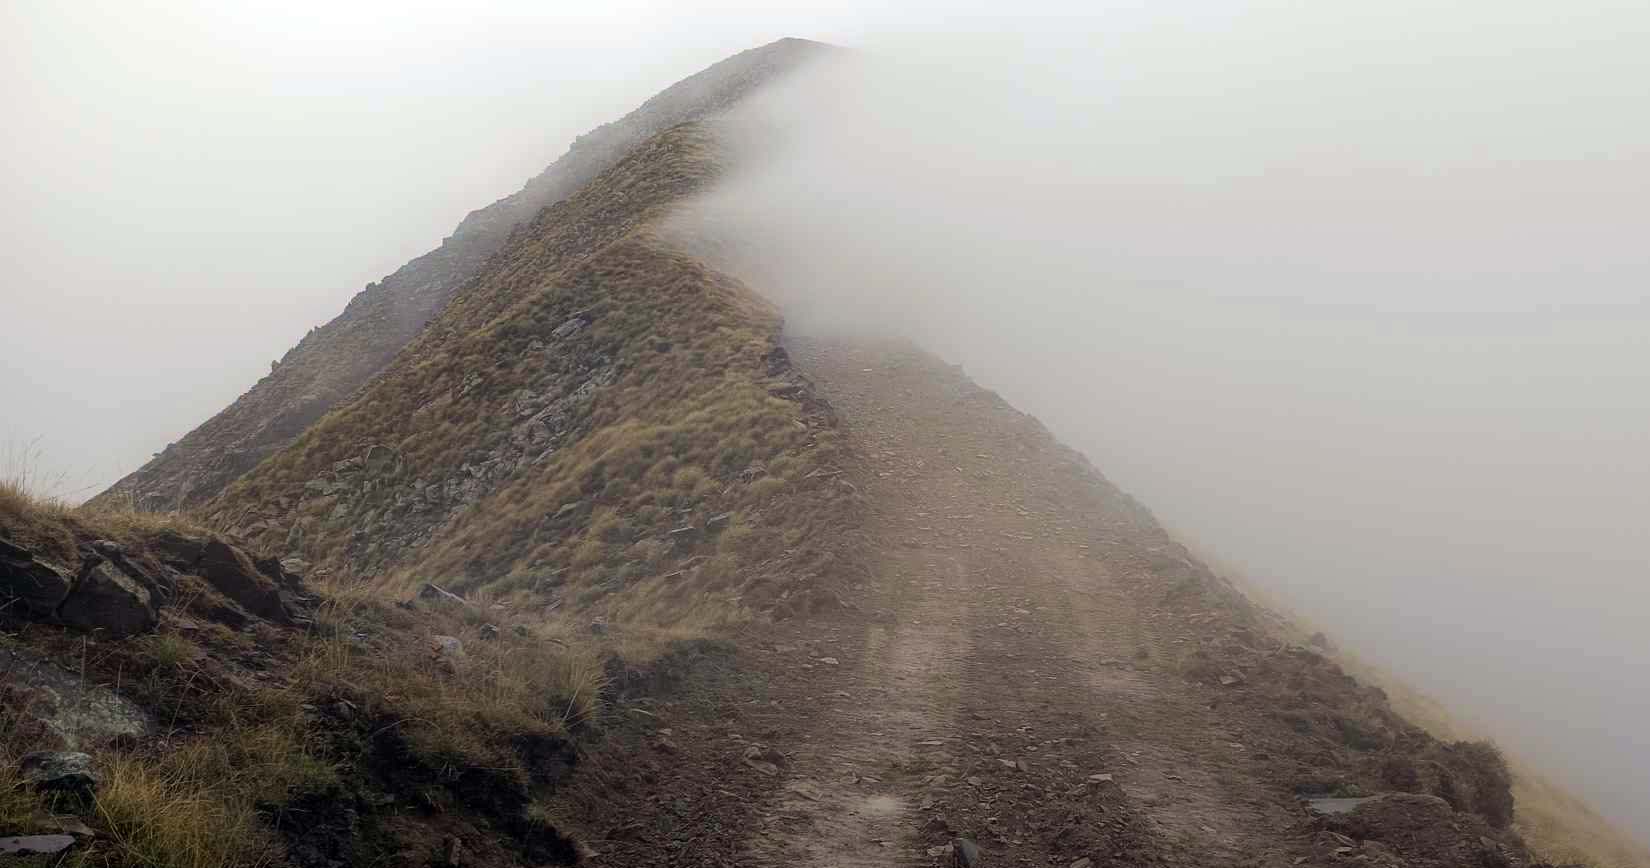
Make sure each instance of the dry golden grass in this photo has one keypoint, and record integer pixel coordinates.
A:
(469, 710)
(174, 814)
(49, 524)
(686, 431)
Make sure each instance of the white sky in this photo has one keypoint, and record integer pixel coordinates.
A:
(187, 188)
(1352, 291)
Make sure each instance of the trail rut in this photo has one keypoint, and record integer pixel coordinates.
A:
(1011, 686)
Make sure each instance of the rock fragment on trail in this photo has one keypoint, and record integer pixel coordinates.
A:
(964, 853)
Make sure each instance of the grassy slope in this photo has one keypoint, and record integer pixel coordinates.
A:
(698, 423)
(684, 426)
(251, 725)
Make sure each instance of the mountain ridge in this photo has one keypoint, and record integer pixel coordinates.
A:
(603, 564)
(334, 359)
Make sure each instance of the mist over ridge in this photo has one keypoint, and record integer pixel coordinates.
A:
(1379, 344)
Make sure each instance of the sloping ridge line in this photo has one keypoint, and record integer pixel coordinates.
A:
(332, 361)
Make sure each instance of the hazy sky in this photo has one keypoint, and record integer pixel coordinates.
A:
(187, 188)
(1353, 293)
(1354, 298)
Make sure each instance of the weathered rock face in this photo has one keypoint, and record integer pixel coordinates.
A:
(332, 361)
(106, 598)
(237, 577)
(73, 711)
(119, 593)
(38, 584)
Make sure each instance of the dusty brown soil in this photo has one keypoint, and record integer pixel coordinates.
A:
(1026, 664)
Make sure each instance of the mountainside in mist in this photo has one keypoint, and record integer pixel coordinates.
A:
(335, 359)
(593, 560)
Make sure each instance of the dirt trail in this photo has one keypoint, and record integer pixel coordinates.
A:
(1013, 680)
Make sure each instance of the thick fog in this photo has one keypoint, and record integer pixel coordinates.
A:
(1351, 293)
(1353, 299)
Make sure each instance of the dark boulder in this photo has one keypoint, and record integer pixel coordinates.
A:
(235, 576)
(158, 584)
(106, 598)
(41, 585)
(179, 551)
(59, 771)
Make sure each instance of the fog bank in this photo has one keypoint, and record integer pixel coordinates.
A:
(1355, 302)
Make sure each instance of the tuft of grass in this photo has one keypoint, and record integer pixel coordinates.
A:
(169, 650)
(516, 676)
(168, 814)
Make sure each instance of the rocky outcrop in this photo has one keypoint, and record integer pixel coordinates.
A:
(235, 576)
(36, 583)
(118, 591)
(332, 361)
(106, 598)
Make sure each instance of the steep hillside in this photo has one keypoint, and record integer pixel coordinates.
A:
(409, 623)
(335, 359)
(595, 415)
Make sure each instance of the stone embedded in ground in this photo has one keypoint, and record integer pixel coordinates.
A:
(106, 598)
(73, 710)
(59, 771)
(40, 584)
(765, 760)
(964, 853)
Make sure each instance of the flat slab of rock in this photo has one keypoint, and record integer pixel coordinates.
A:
(35, 845)
(77, 711)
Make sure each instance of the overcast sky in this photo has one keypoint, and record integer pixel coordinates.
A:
(1353, 296)
(1352, 293)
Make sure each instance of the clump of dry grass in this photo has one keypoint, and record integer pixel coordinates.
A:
(47, 523)
(173, 813)
(512, 680)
